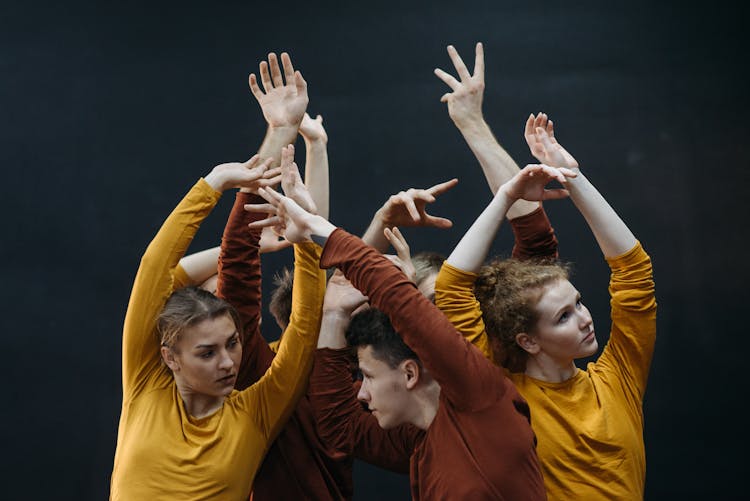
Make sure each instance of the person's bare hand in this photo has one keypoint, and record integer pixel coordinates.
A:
(272, 242)
(402, 259)
(529, 184)
(313, 130)
(553, 154)
(341, 296)
(407, 208)
(252, 174)
(283, 103)
(465, 102)
(291, 181)
(285, 216)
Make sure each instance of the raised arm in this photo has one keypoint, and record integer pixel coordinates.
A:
(464, 374)
(285, 381)
(465, 109)
(316, 161)
(154, 283)
(612, 234)
(283, 101)
(240, 284)
(406, 208)
(196, 268)
(528, 184)
(343, 424)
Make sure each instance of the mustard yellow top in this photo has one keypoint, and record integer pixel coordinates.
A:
(162, 452)
(589, 428)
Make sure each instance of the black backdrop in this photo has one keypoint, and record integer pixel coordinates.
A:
(108, 114)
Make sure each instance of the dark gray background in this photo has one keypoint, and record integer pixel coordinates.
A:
(109, 113)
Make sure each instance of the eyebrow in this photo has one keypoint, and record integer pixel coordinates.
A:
(202, 346)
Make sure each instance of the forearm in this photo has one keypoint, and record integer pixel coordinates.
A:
(498, 166)
(462, 371)
(374, 236)
(153, 282)
(276, 138)
(333, 330)
(202, 265)
(316, 174)
(240, 284)
(472, 250)
(287, 378)
(611, 232)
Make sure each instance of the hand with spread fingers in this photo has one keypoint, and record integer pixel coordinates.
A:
(540, 136)
(465, 100)
(283, 99)
(408, 208)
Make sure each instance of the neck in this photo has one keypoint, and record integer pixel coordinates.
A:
(428, 400)
(550, 370)
(198, 405)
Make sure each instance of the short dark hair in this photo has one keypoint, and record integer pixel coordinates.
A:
(281, 297)
(372, 328)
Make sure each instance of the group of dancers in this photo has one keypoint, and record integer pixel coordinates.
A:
(459, 372)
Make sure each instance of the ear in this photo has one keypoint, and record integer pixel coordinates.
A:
(412, 372)
(168, 356)
(527, 343)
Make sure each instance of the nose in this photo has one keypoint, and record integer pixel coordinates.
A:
(585, 318)
(363, 394)
(225, 361)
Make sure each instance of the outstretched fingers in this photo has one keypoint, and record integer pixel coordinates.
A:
(286, 62)
(265, 77)
(458, 63)
(448, 79)
(273, 63)
(479, 62)
(441, 188)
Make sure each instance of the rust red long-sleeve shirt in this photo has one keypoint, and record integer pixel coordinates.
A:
(298, 465)
(480, 444)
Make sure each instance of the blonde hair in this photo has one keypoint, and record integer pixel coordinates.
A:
(508, 291)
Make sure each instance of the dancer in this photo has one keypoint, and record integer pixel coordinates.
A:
(446, 388)
(589, 423)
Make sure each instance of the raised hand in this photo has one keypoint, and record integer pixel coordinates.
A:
(291, 181)
(465, 102)
(312, 130)
(402, 259)
(407, 208)
(341, 296)
(283, 103)
(289, 219)
(551, 152)
(529, 184)
(252, 175)
(271, 242)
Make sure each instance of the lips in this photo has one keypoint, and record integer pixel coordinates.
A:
(590, 337)
(227, 379)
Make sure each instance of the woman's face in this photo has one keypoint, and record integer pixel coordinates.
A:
(207, 357)
(565, 330)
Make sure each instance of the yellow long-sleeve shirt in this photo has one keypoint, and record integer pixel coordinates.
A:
(164, 453)
(589, 428)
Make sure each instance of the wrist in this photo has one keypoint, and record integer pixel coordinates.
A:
(216, 180)
(315, 143)
(471, 124)
(320, 227)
